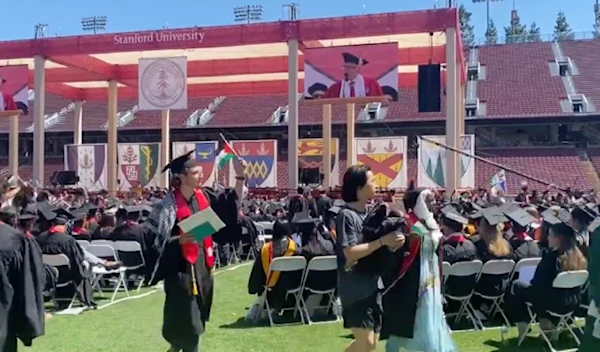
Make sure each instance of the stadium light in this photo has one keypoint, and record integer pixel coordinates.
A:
(291, 11)
(487, 2)
(248, 14)
(93, 24)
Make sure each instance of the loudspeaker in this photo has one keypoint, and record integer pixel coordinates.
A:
(66, 178)
(430, 84)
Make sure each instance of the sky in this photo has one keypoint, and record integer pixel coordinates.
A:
(64, 16)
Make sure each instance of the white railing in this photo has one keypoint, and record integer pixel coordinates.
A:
(52, 119)
(123, 117)
(192, 120)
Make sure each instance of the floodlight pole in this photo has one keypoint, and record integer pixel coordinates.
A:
(93, 24)
(487, 3)
(248, 13)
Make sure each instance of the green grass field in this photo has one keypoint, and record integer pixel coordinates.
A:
(135, 325)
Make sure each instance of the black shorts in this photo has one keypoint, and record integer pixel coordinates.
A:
(364, 314)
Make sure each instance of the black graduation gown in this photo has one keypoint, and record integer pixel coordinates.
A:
(456, 248)
(184, 315)
(541, 293)
(84, 235)
(324, 203)
(320, 280)
(102, 234)
(131, 231)
(258, 277)
(60, 243)
(21, 285)
(523, 248)
(490, 285)
(400, 302)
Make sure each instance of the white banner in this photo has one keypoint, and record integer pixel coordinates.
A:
(162, 83)
(432, 163)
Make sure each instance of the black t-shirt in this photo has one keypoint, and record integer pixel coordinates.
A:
(353, 285)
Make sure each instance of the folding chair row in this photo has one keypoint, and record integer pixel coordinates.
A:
(564, 280)
(298, 263)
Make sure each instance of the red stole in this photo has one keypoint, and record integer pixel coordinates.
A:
(456, 238)
(57, 229)
(190, 251)
(372, 89)
(523, 236)
(9, 103)
(77, 231)
(414, 245)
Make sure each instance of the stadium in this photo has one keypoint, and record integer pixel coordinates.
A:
(528, 109)
(512, 91)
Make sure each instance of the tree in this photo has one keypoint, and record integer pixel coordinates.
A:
(466, 28)
(596, 21)
(515, 32)
(491, 34)
(534, 34)
(562, 30)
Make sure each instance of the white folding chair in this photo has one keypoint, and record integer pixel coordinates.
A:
(267, 227)
(105, 251)
(464, 269)
(83, 243)
(217, 255)
(524, 263)
(283, 265)
(131, 255)
(496, 267)
(103, 242)
(251, 246)
(61, 263)
(564, 280)
(446, 270)
(320, 264)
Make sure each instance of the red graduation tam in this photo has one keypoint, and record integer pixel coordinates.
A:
(353, 59)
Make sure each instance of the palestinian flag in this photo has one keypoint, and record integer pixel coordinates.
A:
(224, 156)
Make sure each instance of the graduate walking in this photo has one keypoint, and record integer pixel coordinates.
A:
(186, 262)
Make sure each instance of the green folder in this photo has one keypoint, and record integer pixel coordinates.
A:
(202, 224)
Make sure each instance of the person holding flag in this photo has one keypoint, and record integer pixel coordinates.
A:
(186, 258)
(498, 183)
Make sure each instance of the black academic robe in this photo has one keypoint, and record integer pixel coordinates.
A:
(490, 285)
(184, 314)
(21, 285)
(132, 231)
(102, 234)
(457, 248)
(400, 302)
(523, 246)
(60, 243)
(320, 280)
(541, 293)
(324, 203)
(287, 280)
(81, 234)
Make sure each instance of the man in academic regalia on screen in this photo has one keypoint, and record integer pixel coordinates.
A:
(354, 84)
(186, 266)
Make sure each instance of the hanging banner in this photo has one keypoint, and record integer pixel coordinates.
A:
(139, 165)
(204, 153)
(310, 160)
(89, 163)
(386, 157)
(162, 84)
(432, 163)
(14, 88)
(261, 156)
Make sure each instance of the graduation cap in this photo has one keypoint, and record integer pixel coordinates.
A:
(26, 217)
(594, 225)
(334, 210)
(180, 163)
(353, 59)
(63, 214)
(554, 216)
(9, 211)
(452, 214)
(517, 215)
(79, 215)
(493, 216)
(302, 218)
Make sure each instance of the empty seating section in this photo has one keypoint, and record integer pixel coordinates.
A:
(95, 115)
(559, 166)
(54, 103)
(518, 81)
(407, 108)
(247, 110)
(51, 165)
(594, 155)
(178, 118)
(584, 54)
